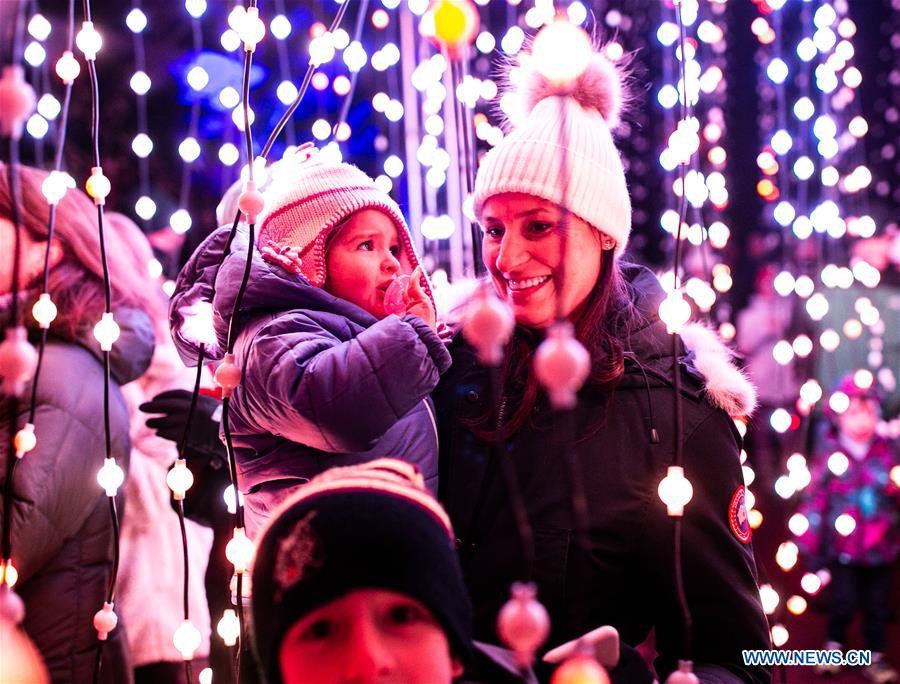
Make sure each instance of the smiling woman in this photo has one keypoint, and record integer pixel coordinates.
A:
(555, 213)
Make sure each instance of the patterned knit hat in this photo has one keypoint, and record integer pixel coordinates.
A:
(371, 526)
(306, 203)
(529, 159)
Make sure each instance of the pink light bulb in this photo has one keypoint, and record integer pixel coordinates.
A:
(18, 360)
(105, 621)
(395, 297)
(523, 623)
(488, 326)
(561, 365)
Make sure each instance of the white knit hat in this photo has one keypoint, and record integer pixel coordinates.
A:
(307, 203)
(529, 159)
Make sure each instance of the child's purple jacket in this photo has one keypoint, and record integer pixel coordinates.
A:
(324, 383)
(864, 491)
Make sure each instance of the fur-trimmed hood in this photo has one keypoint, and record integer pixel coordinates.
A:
(702, 354)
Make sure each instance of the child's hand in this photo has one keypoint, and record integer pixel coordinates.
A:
(286, 257)
(418, 301)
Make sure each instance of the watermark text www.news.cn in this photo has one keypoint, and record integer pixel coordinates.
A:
(808, 657)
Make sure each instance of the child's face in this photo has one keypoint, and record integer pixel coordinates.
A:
(362, 260)
(858, 422)
(369, 636)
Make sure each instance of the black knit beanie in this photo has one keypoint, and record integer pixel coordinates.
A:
(368, 526)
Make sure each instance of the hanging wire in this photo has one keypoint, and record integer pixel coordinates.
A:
(678, 433)
(140, 65)
(193, 126)
(284, 67)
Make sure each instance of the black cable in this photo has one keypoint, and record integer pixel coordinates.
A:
(12, 177)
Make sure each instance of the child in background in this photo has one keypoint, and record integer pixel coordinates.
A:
(328, 377)
(356, 579)
(854, 522)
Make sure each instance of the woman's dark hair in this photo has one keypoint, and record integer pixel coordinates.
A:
(601, 323)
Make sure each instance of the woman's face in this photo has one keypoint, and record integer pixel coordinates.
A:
(860, 420)
(31, 257)
(363, 258)
(522, 247)
(369, 636)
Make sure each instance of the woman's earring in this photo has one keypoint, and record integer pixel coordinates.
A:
(609, 244)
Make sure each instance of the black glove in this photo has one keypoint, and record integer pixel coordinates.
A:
(204, 452)
(174, 406)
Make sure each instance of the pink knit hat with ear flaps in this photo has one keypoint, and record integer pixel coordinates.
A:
(529, 159)
(308, 202)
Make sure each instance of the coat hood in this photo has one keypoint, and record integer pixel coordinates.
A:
(702, 352)
(206, 289)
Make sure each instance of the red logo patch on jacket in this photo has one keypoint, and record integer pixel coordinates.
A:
(737, 516)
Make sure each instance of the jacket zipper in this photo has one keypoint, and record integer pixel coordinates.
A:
(437, 441)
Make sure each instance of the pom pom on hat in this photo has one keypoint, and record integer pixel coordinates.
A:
(600, 88)
(530, 158)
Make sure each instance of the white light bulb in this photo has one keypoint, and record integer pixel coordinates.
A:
(187, 639)
(145, 208)
(34, 54)
(321, 49)
(675, 491)
(674, 311)
(286, 92)
(229, 627)
(97, 185)
(140, 83)
(37, 126)
(770, 598)
(110, 476)
(229, 154)
(180, 221)
(195, 8)
(106, 331)
(89, 40)
(251, 29)
(48, 106)
(105, 621)
(44, 310)
(280, 26)
(179, 479)
(239, 551)
(197, 77)
(67, 67)
(38, 27)
(136, 20)
(142, 145)
(189, 149)
(24, 441)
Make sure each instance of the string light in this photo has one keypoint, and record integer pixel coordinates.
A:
(675, 491)
(239, 550)
(110, 477)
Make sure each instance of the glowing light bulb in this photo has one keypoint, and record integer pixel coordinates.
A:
(12, 607)
(580, 669)
(780, 635)
(561, 365)
(142, 145)
(675, 491)
(455, 22)
(844, 524)
(811, 583)
(839, 402)
(523, 623)
(197, 78)
(488, 326)
(187, 639)
(67, 67)
(106, 332)
(321, 49)
(179, 479)
(8, 574)
(195, 8)
(17, 101)
(684, 674)
(239, 551)
(105, 621)
(798, 524)
(24, 441)
(38, 27)
(251, 202)
(811, 391)
(140, 83)
(89, 41)
(180, 221)
(136, 20)
(18, 361)
(674, 311)
(252, 29)
(110, 476)
(769, 597)
(145, 207)
(229, 627)
(97, 185)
